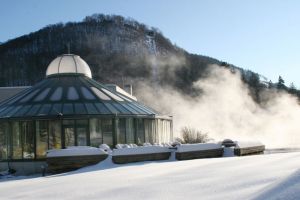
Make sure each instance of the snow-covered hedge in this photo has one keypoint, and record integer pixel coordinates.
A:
(140, 150)
(75, 151)
(197, 147)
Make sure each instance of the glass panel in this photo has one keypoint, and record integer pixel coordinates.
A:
(23, 110)
(130, 131)
(121, 108)
(69, 136)
(149, 130)
(33, 110)
(107, 129)
(44, 109)
(68, 108)
(112, 95)
(102, 109)
(111, 108)
(87, 94)
(91, 108)
(16, 141)
(140, 131)
(28, 139)
(56, 109)
(42, 95)
(130, 109)
(121, 131)
(72, 94)
(100, 94)
(95, 133)
(57, 94)
(79, 108)
(41, 138)
(29, 96)
(54, 134)
(3, 140)
(12, 112)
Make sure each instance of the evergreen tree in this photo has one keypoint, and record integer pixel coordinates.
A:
(280, 84)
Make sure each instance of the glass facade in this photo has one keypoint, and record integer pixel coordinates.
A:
(31, 139)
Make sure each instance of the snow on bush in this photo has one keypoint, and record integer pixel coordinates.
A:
(75, 151)
(140, 150)
(197, 147)
(246, 144)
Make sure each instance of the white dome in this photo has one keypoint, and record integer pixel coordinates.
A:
(68, 63)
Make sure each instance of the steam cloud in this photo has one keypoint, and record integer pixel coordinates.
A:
(226, 110)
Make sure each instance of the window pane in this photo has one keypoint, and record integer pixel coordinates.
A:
(33, 110)
(79, 108)
(44, 109)
(95, 133)
(130, 131)
(106, 125)
(41, 138)
(42, 95)
(3, 141)
(81, 136)
(91, 108)
(82, 132)
(54, 135)
(16, 141)
(72, 94)
(102, 109)
(29, 96)
(100, 94)
(28, 139)
(87, 94)
(140, 131)
(121, 131)
(112, 95)
(56, 109)
(69, 136)
(57, 94)
(68, 108)
(149, 130)
(111, 108)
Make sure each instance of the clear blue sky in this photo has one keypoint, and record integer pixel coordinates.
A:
(261, 35)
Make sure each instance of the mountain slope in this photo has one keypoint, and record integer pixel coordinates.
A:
(118, 50)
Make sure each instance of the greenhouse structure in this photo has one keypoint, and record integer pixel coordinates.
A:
(69, 108)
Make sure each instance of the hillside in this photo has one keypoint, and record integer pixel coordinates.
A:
(118, 50)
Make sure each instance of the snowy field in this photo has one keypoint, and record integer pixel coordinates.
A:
(260, 177)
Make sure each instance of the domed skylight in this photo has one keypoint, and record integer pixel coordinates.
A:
(68, 64)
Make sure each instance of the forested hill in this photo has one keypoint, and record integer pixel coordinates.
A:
(118, 50)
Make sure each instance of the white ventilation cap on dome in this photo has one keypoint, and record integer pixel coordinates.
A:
(68, 63)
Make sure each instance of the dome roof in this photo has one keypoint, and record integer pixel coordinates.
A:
(69, 96)
(68, 64)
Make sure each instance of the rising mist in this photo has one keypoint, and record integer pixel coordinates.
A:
(226, 110)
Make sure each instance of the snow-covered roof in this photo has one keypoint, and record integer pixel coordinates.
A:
(68, 63)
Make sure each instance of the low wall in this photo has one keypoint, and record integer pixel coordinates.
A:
(69, 163)
(249, 150)
(23, 167)
(122, 159)
(211, 153)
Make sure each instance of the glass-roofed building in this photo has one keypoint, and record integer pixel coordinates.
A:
(69, 108)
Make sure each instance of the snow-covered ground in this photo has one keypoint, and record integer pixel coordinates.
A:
(260, 177)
